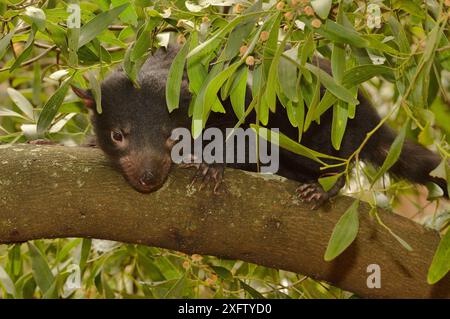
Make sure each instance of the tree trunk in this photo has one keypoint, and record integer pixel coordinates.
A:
(53, 192)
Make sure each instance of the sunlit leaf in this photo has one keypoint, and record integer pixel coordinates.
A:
(440, 265)
(344, 232)
(98, 24)
(175, 76)
(393, 154)
(41, 270)
(51, 107)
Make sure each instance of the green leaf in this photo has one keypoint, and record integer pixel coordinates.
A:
(440, 265)
(96, 91)
(22, 103)
(98, 24)
(211, 44)
(287, 75)
(425, 136)
(174, 78)
(73, 39)
(84, 253)
(216, 83)
(272, 42)
(6, 282)
(251, 291)
(439, 171)
(312, 105)
(149, 268)
(351, 78)
(328, 182)
(400, 35)
(64, 252)
(321, 7)
(26, 52)
(434, 191)
(129, 16)
(363, 73)
(5, 41)
(238, 92)
(15, 260)
(241, 32)
(328, 82)
(270, 97)
(339, 124)
(344, 233)
(144, 40)
(401, 241)
(51, 106)
(201, 110)
(41, 270)
(196, 71)
(36, 15)
(52, 292)
(37, 84)
(291, 145)
(223, 273)
(342, 34)
(411, 7)
(177, 290)
(394, 153)
(130, 67)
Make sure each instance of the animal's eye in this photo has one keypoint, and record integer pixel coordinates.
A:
(117, 135)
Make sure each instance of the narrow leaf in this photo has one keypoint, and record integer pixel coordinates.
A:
(41, 270)
(238, 92)
(98, 24)
(440, 265)
(329, 181)
(22, 103)
(344, 232)
(174, 78)
(52, 106)
(394, 153)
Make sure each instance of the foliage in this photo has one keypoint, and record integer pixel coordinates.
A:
(398, 49)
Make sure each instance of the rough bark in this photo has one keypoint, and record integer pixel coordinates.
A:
(53, 192)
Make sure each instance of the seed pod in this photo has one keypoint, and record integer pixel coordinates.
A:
(242, 50)
(316, 23)
(264, 36)
(238, 8)
(309, 11)
(289, 15)
(250, 60)
(280, 5)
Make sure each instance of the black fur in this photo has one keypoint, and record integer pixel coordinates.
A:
(143, 114)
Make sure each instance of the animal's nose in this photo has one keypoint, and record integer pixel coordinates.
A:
(147, 178)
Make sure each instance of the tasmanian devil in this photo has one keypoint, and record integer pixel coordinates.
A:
(134, 130)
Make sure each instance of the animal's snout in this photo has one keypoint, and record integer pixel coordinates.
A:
(144, 172)
(147, 178)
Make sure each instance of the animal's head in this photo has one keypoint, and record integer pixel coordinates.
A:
(134, 127)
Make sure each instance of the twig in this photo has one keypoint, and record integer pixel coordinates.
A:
(31, 61)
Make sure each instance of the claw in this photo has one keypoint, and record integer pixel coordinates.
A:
(209, 173)
(312, 193)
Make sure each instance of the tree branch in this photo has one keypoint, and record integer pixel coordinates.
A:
(53, 191)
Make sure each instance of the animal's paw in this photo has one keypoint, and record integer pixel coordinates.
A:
(312, 193)
(208, 174)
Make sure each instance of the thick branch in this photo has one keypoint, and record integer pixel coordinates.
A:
(52, 191)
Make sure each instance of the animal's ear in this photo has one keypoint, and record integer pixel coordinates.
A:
(85, 95)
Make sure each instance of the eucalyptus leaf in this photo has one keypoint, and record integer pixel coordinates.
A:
(344, 232)
(98, 24)
(440, 265)
(175, 77)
